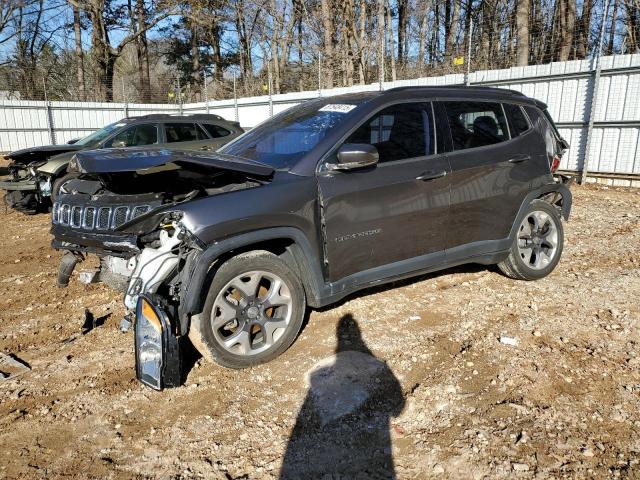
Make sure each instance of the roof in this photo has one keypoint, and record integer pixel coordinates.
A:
(439, 91)
(187, 116)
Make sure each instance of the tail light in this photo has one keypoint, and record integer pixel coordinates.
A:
(555, 163)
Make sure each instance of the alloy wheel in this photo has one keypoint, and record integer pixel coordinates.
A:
(251, 312)
(537, 239)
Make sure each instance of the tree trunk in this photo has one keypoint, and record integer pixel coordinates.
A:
(522, 26)
(633, 25)
(403, 18)
(142, 50)
(327, 24)
(451, 27)
(566, 24)
(422, 32)
(362, 48)
(584, 28)
(79, 54)
(612, 32)
(392, 51)
(381, 40)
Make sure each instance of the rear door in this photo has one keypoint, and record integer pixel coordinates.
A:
(490, 174)
(392, 212)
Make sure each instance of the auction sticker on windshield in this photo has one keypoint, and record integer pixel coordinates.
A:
(337, 107)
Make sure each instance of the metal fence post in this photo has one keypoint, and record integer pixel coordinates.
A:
(206, 93)
(50, 124)
(319, 74)
(270, 98)
(235, 100)
(594, 98)
(467, 76)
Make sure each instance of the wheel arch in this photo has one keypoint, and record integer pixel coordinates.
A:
(289, 243)
(556, 194)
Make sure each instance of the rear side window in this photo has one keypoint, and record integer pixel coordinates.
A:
(399, 132)
(476, 124)
(518, 123)
(183, 132)
(216, 131)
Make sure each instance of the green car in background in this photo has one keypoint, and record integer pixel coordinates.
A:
(34, 173)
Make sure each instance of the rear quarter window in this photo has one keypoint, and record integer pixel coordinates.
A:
(216, 131)
(518, 122)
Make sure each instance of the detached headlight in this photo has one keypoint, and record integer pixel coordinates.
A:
(157, 347)
(73, 165)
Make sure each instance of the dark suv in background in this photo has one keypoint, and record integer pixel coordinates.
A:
(33, 172)
(327, 198)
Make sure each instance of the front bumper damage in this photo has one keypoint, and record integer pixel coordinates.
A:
(140, 273)
(157, 345)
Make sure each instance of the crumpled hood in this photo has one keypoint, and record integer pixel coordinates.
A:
(33, 154)
(132, 159)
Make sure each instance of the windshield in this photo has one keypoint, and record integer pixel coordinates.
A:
(99, 135)
(283, 140)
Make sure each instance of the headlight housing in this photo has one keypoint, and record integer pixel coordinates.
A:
(158, 362)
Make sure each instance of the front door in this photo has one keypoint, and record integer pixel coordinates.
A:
(387, 215)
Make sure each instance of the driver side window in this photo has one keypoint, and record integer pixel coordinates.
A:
(399, 132)
(138, 135)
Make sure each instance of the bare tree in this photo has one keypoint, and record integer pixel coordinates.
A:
(522, 25)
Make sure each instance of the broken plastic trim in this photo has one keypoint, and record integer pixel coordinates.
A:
(158, 360)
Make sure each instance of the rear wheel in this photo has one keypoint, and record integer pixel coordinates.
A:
(538, 243)
(254, 310)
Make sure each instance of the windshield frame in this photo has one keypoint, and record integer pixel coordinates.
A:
(109, 130)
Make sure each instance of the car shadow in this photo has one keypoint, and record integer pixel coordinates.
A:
(343, 427)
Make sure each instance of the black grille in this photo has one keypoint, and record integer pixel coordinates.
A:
(140, 210)
(93, 217)
(89, 217)
(76, 217)
(120, 216)
(104, 214)
(64, 214)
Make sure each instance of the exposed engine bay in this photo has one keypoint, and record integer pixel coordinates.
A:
(131, 220)
(28, 186)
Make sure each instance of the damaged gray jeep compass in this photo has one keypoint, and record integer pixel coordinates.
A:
(327, 198)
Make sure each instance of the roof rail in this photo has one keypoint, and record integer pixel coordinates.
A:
(150, 116)
(456, 86)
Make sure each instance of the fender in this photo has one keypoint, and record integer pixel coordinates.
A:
(198, 267)
(550, 188)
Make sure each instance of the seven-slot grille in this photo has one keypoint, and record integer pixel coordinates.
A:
(95, 218)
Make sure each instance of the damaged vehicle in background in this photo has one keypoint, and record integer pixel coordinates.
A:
(227, 249)
(35, 173)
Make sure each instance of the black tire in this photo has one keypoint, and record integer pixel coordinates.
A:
(517, 265)
(55, 188)
(253, 261)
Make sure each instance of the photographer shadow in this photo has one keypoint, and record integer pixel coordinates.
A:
(342, 429)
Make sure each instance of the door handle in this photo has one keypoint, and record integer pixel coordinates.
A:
(431, 175)
(519, 159)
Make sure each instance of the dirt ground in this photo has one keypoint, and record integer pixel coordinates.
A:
(563, 402)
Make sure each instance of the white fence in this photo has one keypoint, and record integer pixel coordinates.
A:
(566, 87)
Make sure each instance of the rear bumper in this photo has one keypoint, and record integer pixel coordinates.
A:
(23, 186)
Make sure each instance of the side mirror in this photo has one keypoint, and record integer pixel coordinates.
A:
(72, 141)
(355, 155)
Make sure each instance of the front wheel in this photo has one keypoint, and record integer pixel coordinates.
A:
(537, 246)
(253, 311)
